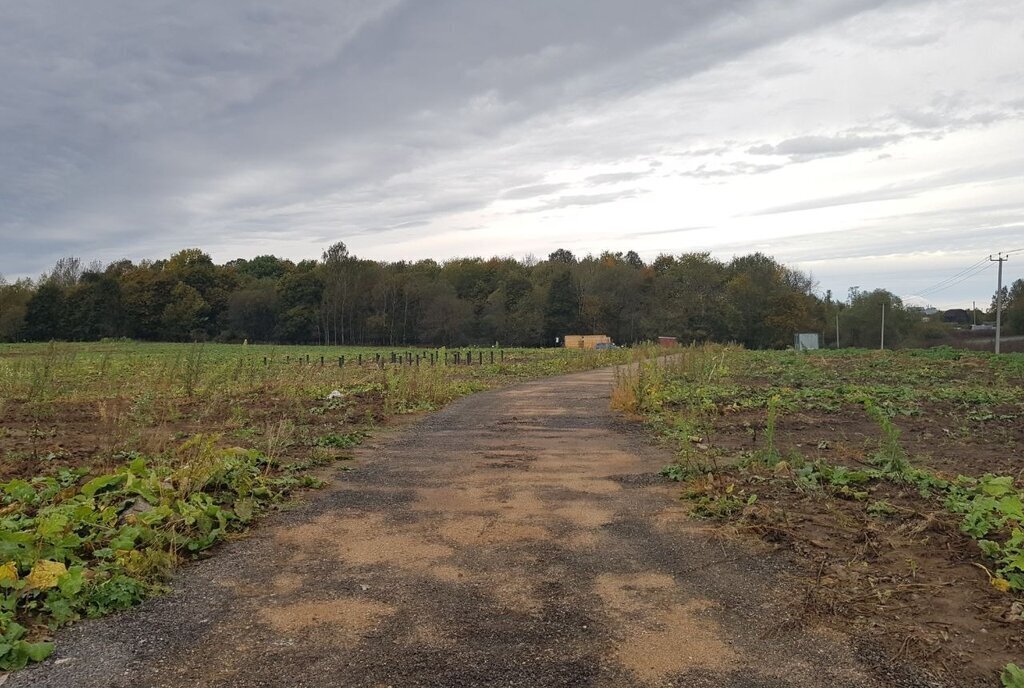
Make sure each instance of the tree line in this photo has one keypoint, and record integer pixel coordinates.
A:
(343, 299)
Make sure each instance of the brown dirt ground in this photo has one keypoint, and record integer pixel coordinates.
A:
(519, 537)
(941, 438)
(909, 579)
(40, 439)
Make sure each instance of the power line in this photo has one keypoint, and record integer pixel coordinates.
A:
(957, 279)
(983, 261)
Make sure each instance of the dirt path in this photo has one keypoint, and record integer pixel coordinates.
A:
(518, 538)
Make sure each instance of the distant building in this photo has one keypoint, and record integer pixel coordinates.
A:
(587, 341)
(668, 341)
(806, 341)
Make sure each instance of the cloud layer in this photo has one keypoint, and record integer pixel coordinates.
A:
(826, 133)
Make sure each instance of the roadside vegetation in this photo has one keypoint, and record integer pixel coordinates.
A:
(119, 461)
(893, 478)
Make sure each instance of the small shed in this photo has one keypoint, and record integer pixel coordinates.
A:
(586, 341)
(807, 341)
(668, 342)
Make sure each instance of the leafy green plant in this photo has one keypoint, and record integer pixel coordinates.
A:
(992, 511)
(881, 508)
(890, 456)
(1012, 676)
(685, 469)
(720, 506)
(74, 549)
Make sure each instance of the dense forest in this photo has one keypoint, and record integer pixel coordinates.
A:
(342, 299)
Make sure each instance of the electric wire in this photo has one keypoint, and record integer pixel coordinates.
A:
(935, 290)
(959, 277)
(951, 278)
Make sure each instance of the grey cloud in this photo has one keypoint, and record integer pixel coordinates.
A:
(900, 39)
(678, 230)
(614, 177)
(979, 173)
(583, 200)
(947, 112)
(731, 170)
(809, 147)
(522, 192)
(886, 193)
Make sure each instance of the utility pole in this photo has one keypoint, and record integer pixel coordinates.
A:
(974, 312)
(882, 347)
(999, 297)
(837, 329)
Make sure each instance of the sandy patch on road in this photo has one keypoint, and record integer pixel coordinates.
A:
(366, 539)
(348, 615)
(658, 637)
(489, 530)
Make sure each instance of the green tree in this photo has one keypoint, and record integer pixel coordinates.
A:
(14, 300)
(252, 312)
(94, 307)
(561, 311)
(46, 313)
(185, 317)
(861, 322)
(1014, 313)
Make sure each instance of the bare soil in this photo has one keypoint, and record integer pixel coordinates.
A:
(519, 537)
(941, 438)
(905, 575)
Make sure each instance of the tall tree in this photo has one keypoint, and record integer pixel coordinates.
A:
(46, 313)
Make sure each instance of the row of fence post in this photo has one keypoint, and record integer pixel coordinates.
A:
(408, 358)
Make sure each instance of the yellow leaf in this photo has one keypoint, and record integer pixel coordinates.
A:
(1000, 584)
(44, 574)
(9, 573)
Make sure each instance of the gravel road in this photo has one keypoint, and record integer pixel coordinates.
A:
(519, 537)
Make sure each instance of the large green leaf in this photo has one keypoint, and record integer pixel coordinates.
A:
(103, 483)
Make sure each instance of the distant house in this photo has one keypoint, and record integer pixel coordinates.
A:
(668, 341)
(957, 316)
(587, 341)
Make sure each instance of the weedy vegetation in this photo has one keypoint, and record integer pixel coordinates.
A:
(894, 477)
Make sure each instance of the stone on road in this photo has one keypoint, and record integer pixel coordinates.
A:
(519, 537)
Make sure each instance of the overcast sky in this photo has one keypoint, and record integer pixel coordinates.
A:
(871, 143)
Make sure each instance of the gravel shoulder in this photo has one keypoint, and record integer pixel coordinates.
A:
(519, 537)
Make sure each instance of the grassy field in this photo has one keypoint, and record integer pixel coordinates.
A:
(894, 479)
(120, 460)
